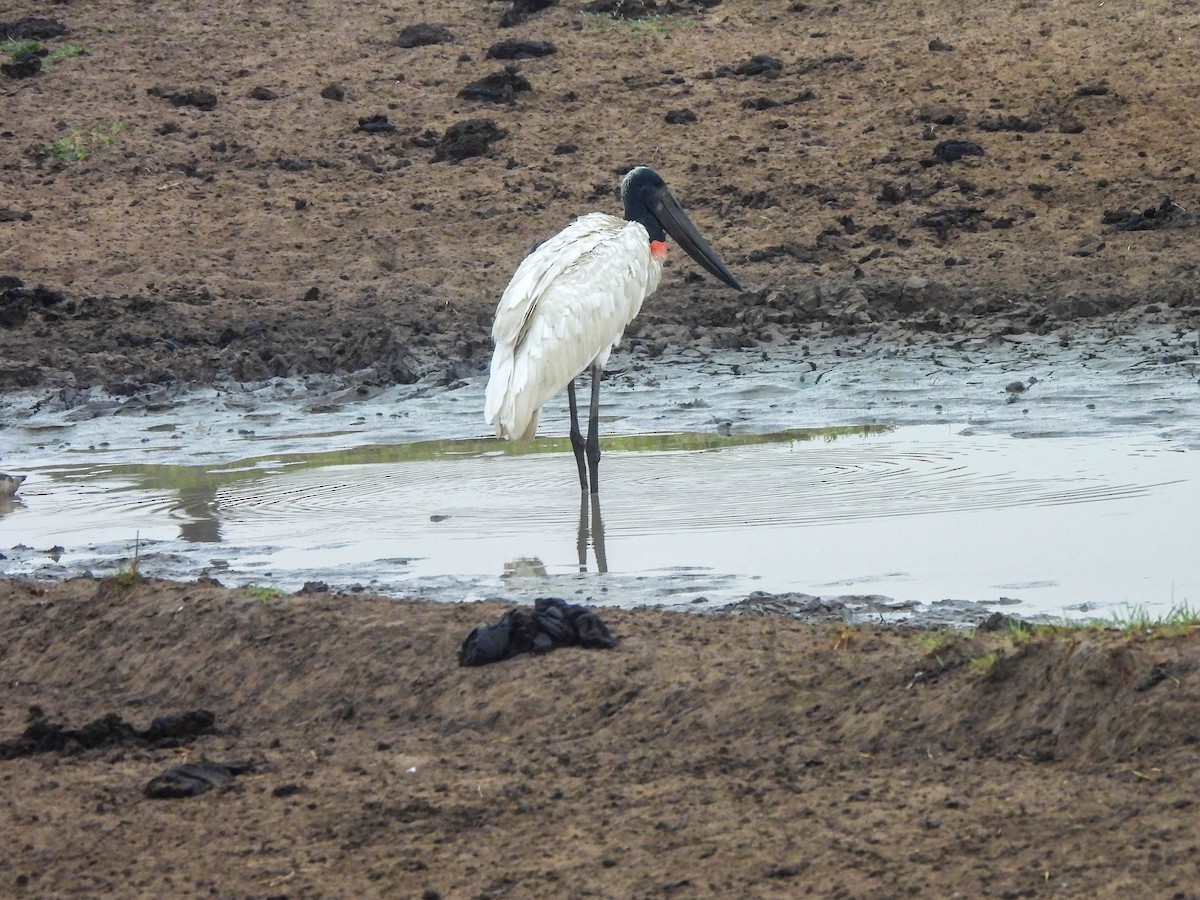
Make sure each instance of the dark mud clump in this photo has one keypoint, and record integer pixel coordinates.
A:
(25, 63)
(375, 124)
(32, 28)
(200, 98)
(499, 87)
(423, 36)
(472, 137)
(520, 48)
(523, 9)
(1168, 214)
(44, 736)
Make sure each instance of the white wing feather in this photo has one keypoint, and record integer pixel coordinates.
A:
(564, 310)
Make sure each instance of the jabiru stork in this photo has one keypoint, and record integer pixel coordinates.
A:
(569, 302)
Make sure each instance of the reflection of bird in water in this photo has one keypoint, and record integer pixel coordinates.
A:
(569, 303)
(10, 483)
(591, 530)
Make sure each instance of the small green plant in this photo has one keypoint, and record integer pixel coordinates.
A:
(641, 27)
(264, 593)
(1180, 619)
(77, 145)
(127, 575)
(983, 664)
(18, 49)
(935, 640)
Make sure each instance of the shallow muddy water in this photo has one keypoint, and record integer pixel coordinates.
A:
(907, 483)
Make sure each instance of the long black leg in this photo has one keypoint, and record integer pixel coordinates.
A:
(577, 438)
(593, 438)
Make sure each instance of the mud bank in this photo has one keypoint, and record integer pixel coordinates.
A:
(701, 757)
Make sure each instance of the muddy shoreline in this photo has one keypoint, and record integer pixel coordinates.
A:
(173, 342)
(703, 756)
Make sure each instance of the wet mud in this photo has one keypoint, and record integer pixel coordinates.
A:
(191, 237)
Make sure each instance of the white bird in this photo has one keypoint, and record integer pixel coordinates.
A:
(569, 302)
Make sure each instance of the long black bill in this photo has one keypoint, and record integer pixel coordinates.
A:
(676, 223)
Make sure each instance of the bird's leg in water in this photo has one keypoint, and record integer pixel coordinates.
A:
(577, 437)
(593, 438)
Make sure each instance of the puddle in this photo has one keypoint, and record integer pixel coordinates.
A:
(918, 484)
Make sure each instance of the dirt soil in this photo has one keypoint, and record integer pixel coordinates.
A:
(703, 756)
(223, 191)
(220, 191)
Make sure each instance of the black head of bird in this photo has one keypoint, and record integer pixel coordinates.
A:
(650, 202)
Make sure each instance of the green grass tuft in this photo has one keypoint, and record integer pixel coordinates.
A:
(1180, 619)
(264, 593)
(77, 144)
(642, 27)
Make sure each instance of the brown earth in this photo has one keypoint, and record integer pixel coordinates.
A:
(704, 756)
(228, 219)
(144, 242)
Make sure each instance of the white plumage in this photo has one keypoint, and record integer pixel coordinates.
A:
(564, 311)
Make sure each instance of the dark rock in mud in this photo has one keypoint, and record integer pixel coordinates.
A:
(680, 117)
(25, 63)
(333, 92)
(17, 301)
(44, 736)
(522, 9)
(760, 103)
(834, 59)
(622, 9)
(520, 48)
(1168, 214)
(955, 149)
(942, 221)
(192, 779)
(32, 29)
(25, 68)
(198, 97)
(1010, 123)
(941, 114)
(499, 87)
(8, 214)
(376, 124)
(9, 485)
(471, 137)
(423, 36)
(263, 93)
(758, 64)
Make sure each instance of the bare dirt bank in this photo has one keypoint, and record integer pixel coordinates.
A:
(704, 756)
(196, 196)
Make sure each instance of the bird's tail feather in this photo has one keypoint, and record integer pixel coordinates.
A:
(509, 403)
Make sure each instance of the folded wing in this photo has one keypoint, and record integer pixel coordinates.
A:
(564, 310)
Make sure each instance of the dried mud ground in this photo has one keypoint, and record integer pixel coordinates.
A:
(704, 756)
(205, 191)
